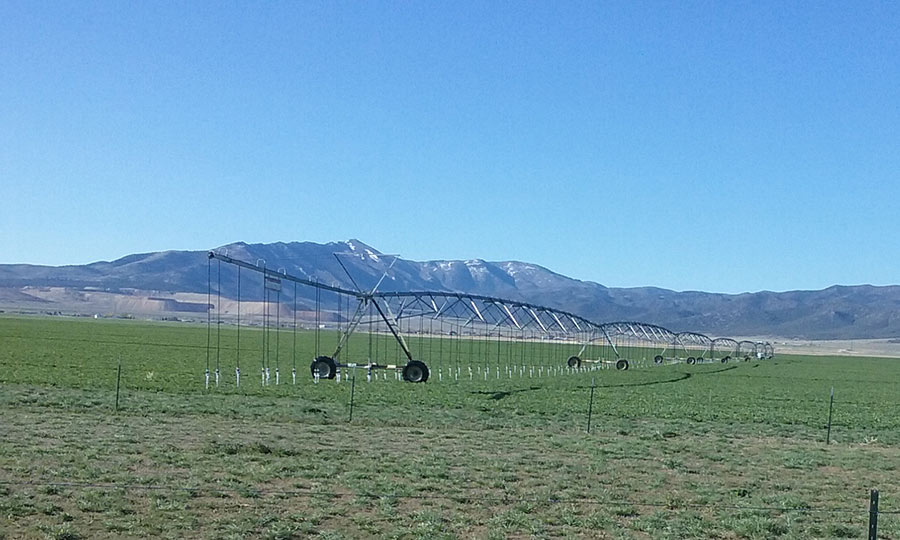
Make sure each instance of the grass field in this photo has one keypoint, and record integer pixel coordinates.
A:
(707, 451)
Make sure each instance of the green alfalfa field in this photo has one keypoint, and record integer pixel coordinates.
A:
(731, 450)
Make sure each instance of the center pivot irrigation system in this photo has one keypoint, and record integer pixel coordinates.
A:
(417, 334)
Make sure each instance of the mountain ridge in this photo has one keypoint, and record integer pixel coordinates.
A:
(836, 312)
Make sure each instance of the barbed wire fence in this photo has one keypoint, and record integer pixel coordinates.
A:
(872, 510)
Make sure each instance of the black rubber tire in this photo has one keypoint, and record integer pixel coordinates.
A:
(691, 360)
(622, 364)
(746, 359)
(573, 362)
(658, 359)
(326, 366)
(726, 359)
(415, 372)
(699, 359)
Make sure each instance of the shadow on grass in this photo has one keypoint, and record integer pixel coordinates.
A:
(501, 395)
(498, 395)
(679, 378)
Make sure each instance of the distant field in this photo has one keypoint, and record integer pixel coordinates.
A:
(718, 450)
(889, 348)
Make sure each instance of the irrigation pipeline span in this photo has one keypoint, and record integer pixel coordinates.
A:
(412, 333)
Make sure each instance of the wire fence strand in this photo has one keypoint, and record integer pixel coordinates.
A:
(449, 497)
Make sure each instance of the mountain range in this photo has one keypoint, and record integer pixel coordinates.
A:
(838, 312)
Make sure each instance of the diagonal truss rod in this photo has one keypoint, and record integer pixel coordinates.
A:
(354, 322)
(392, 325)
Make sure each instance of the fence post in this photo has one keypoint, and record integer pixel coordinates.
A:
(830, 410)
(352, 388)
(118, 381)
(590, 406)
(873, 515)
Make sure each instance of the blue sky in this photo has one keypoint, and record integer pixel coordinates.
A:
(716, 146)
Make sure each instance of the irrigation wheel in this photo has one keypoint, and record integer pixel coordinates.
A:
(622, 364)
(573, 362)
(691, 360)
(325, 366)
(415, 371)
(658, 359)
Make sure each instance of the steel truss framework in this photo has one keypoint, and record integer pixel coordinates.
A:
(419, 322)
